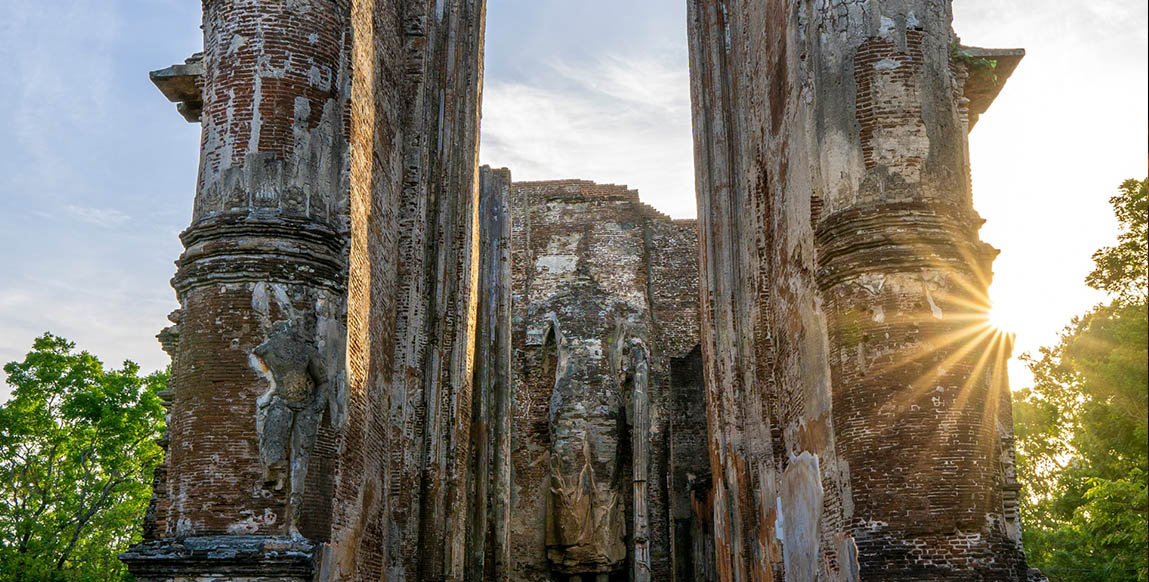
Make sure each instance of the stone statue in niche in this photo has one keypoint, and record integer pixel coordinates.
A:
(586, 524)
(289, 412)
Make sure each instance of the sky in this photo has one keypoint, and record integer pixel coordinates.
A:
(97, 170)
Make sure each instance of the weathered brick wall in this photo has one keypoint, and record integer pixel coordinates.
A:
(585, 266)
(680, 464)
(672, 259)
(359, 529)
(262, 287)
(905, 278)
(689, 483)
(856, 406)
(846, 355)
(592, 269)
(338, 195)
(489, 498)
(275, 91)
(767, 392)
(266, 244)
(402, 480)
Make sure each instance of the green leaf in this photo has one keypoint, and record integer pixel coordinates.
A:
(1083, 428)
(77, 451)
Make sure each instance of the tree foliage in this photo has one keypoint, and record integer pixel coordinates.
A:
(1121, 268)
(1083, 428)
(77, 451)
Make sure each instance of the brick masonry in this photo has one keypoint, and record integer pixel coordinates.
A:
(859, 418)
(337, 198)
(390, 365)
(595, 273)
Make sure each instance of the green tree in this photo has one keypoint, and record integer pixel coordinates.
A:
(1083, 428)
(77, 451)
(1121, 269)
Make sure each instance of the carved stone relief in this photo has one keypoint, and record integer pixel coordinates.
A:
(586, 527)
(289, 412)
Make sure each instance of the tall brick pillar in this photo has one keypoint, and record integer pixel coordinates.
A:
(917, 382)
(257, 377)
(858, 414)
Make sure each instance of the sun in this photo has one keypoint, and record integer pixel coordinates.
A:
(1005, 318)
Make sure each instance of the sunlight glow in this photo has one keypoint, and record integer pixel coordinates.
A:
(1006, 318)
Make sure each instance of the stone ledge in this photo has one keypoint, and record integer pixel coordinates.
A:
(222, 556)
(249, 248)
(895, 237)
(983, 89)
(183, 85)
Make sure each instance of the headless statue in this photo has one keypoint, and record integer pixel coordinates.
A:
(586, 518)
(289, 413)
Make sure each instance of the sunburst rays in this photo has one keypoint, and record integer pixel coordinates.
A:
(949, 373)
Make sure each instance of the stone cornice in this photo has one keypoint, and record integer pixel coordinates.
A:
(183, 85)
(899, 237)
(238, 249)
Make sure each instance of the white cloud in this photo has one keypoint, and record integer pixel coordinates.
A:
(109, 314)
(648, 83)
(105, 217)
(617, 120)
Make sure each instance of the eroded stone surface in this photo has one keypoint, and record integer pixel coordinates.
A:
(843, 296)
(390, 366)
(604, 307)
(337, 196)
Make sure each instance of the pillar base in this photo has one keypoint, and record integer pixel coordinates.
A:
(232, 558)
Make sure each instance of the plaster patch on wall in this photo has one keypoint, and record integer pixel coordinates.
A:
(886, 65)
(934, 309)
(557, 264)
(801, 506)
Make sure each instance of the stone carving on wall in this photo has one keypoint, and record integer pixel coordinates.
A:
(289, 412)
(586, 524)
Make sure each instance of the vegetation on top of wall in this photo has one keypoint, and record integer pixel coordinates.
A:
(974, 64)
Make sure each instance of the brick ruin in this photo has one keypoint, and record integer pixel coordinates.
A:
(860, 425)
(607, 420)
(390, 364)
